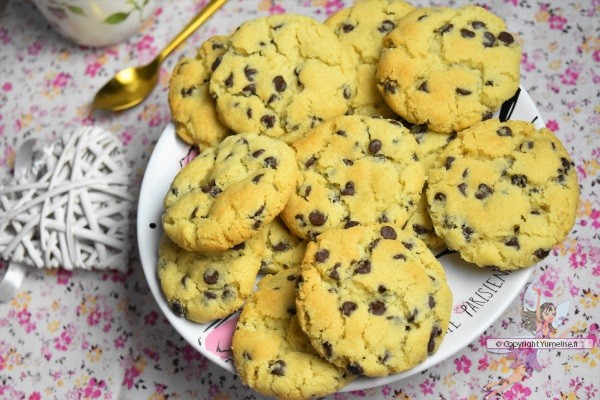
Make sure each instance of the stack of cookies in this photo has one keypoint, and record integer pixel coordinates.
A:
(334, 157)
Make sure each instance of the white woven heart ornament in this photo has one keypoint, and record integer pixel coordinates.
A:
(68, 204)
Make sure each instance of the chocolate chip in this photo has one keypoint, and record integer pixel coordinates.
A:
(210, 295)
(249, 72)
(377, 307)
(424, 87)
(259, 211)
(347, 28)
(463, 92)
(321, 255)
(277, 368)
(518, 180)
(513, 242)
(386, 26)
(374, 244)
(348, 162)
(487, 115)
(478, 24)
(328, 349)
(411, 318)
(212, 189)
(541, 253)
(314, 121)
(310, 162)
(389, 87)
(348, 189)
(249, 113)
(271, 162)
(229, 80)
(483, 191)
(489, 40)
(211, 276)
(272, 98)
(463, 188)
(399, 257)
(249, 89)
(431, 301)
(281, 246)
(467, 232)
(240, 246)
(449, 162)
(257, 153)
(185, 280)
(179, 309)
(257, 178)
(247, 356)
(279, 83)
(375, 146)
(350, 224)
(216, 63)
(383, 218)
(187, 92)
(364, 267)
(408, 245)
(504, 131)
(386, 355)
(445, 29)
(268, 121)
(489, 83)
(381, 289)
(355, 368)
(435, 332)
(333, 274)
(467, 34)
(347, 93)
(317, 218)
(348, 307)
(388, 232)
(193, 215)
(506, 38)
(439, 196)
(227, 293)
(291, 311)
(419, 229)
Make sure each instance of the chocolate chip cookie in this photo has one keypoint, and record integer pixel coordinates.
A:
(362, 27)
(354, 170)
(283, 249)
(282, 76)
(271, 353)
(503, 194)
(373, 299)
(448, 68)
(227, 193)
(431, 144)
(192, 107)
(206, 286)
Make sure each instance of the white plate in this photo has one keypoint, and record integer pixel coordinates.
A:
(480, 295)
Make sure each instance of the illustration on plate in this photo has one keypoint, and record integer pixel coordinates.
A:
(542, 321)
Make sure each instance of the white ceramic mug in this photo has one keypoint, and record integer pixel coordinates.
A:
(96, 22)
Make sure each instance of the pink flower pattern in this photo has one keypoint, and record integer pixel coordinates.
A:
(100, 335)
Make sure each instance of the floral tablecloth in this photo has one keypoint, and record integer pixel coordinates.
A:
(100, 335)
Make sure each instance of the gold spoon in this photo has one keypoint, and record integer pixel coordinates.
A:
(132, 85)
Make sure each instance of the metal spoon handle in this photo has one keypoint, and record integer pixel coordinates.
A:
(194, 24)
